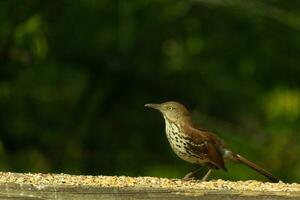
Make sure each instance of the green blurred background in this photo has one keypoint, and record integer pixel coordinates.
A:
(74, 76)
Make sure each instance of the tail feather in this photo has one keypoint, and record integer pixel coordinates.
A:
(257, 168)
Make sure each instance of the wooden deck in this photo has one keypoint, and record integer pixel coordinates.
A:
(62, 186)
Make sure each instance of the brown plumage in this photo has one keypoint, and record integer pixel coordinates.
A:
(198, 146)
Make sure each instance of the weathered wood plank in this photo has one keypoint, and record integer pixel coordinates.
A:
(59, 186)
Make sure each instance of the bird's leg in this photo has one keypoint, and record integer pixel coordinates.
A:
(205, 177)
(190, 176)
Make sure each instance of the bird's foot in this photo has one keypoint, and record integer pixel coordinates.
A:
(188, 178)
(191, 176)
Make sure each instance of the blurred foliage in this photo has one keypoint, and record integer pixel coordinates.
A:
(74, 76)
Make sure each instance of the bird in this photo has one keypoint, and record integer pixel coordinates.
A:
(198, 146)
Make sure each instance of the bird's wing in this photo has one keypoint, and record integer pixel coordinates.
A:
(215, 156)
(211, 142)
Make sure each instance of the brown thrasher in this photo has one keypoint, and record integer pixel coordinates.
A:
(198, 146)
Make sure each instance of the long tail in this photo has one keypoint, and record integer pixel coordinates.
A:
(257, 168)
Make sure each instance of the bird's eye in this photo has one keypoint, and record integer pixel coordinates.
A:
(170, 108)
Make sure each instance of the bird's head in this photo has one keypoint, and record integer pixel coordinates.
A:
(171, 110)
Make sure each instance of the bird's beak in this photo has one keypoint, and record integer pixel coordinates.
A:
(154, 106)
